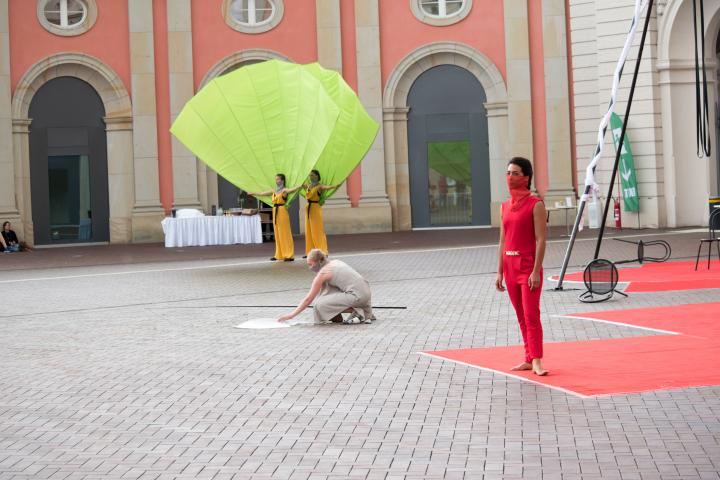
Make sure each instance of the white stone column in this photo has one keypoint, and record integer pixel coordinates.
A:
(329, 45)
(518, 110)
(8, 206)
(497, 115)
(147, 211)
(180, 66)
(396, 166)
(21, 155)
(120, 177)
(557, 104)
(374, 199)
(517, 58)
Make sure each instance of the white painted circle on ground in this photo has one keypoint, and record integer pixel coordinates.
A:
(262, 323)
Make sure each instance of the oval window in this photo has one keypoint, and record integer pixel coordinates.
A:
(252, 16)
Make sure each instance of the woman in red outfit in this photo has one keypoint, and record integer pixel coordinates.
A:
(521, 253)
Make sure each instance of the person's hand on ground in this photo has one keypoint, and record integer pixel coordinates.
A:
(285, 317)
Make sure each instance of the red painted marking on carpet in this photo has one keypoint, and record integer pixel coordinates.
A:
(661, 277)
(621, 366)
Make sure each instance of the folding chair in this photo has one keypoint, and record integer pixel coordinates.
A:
(600, 277)
(713, 238)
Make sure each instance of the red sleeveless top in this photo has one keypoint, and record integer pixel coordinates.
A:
(519, 226)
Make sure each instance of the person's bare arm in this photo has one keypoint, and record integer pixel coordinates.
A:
(260, 194)
(501, 252)
(540, 225)
(329, 187)
(315, 288)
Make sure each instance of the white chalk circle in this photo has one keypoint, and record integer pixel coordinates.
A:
(263, 323)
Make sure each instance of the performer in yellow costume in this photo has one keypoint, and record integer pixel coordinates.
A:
(314, 229)
(284, 246)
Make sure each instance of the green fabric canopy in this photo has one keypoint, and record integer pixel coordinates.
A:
(353, 135)
(257, 121)
(277, 117)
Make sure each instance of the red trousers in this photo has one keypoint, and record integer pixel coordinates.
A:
(516, 271)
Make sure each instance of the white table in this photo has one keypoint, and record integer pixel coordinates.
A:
(558, 209)
(201, 231)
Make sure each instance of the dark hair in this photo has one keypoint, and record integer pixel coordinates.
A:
(281, 175)
(316, 173)
(525, 166)
(5, 223)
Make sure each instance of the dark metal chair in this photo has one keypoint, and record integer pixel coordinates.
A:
(600, 277)
(641, 246)
(713, 238)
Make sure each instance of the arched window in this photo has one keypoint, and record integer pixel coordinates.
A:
(67, 17)
(252, 16)
(440, 12)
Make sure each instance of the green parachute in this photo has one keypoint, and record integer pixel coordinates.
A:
(277, 117)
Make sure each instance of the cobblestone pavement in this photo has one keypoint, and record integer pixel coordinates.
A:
(135, 371)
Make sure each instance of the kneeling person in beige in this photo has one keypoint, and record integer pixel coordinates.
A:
(337, 288)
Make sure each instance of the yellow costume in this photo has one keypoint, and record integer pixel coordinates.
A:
(314, 230)
(284, 247)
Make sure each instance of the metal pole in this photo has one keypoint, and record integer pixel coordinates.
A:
(624, 128)
(576, 226)
(275, 306)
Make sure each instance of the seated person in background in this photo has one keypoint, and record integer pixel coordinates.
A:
(10, 239)
(3, 246)
(337, 288)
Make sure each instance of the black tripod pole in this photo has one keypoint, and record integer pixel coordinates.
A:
(624, 128)
(276, 306)
(571, 242)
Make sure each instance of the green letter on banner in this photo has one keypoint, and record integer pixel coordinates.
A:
(626, 169)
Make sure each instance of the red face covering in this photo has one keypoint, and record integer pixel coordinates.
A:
(519, 190)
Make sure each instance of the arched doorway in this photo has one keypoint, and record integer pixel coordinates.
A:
(448, 149)
(395, 121)
(687, 181)
(68, 164)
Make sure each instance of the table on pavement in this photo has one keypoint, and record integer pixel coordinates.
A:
(212, 230)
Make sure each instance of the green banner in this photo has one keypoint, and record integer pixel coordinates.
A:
(626, 168)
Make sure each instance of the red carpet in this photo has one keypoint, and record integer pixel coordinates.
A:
(661, 277)
(683, 359)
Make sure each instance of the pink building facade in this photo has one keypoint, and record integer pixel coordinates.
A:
(89, 89)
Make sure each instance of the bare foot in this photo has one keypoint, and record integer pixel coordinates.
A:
(522, 366)
(537, 368)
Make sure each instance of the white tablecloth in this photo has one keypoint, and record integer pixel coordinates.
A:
(201, 231)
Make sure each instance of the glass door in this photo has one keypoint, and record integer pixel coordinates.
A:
(449, 183)
(69, 198)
